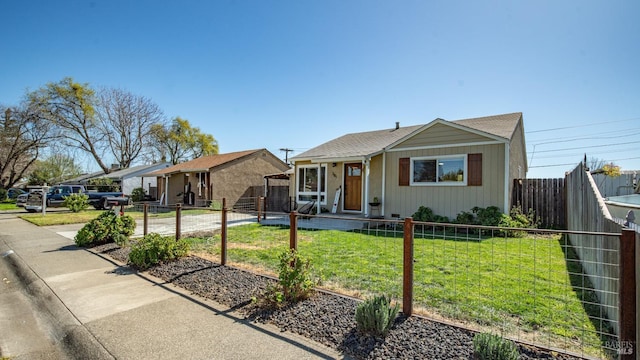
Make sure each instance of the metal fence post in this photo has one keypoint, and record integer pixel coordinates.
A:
(145, 226)
(407, 273)
(223, 233)
(627, 296)
(293, 230)
(178, 220)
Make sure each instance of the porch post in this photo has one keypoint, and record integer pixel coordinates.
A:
(166, 190)
(320, 183)
(365, 204)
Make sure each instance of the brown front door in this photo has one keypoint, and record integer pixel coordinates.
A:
(353, 186)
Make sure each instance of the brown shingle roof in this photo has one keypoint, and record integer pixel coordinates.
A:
(205, 163)
(501, 125)
(372, 142)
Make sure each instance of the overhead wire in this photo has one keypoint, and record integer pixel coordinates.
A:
(613, 134)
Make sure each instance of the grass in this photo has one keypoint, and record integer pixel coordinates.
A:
(64, 217)
(519, 286)
(8, 205)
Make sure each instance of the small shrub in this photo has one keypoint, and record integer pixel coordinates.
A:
(76, 202)
(488, 346)
(3, 194)
(490, 216)
(423, 214)
(216, 205)
(517, 219)
(466, 218)
(138, 194)
(376, 316)
(107, 227)
(155, 248)
(295, 279)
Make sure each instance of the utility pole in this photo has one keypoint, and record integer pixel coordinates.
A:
(286, 154)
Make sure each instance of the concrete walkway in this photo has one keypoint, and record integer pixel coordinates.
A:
(86, 306)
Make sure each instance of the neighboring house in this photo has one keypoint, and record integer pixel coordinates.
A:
(136, 177)
(127, 179)
(448, 166)
(232, 176)
(626, 184)
(83, 179)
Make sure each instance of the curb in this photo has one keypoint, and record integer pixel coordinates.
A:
(72, 337)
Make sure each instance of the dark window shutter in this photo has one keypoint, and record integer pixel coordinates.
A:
(405, 169)
(474, 166)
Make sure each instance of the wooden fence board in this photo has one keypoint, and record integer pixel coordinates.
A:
(544, 197)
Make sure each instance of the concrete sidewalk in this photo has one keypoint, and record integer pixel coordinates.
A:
(94, 308)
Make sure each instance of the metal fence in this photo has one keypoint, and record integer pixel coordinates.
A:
(528, 285)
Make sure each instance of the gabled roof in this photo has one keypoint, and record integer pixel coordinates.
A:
(205, 163)
(500, 125)
(83, 178)
(370, 143)
(135, 171)
(357, 144)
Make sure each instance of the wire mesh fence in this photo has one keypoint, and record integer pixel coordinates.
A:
(528, 285)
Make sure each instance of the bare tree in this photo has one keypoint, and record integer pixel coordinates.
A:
(125, 122)
(70, 107)
(23, 134)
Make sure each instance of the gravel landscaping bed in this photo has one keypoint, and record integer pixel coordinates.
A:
(326, 318)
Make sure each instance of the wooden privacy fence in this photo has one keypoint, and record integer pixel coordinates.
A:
(546, 198)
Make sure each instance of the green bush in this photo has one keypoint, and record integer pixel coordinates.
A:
(76, 202)
(216, 205)
(295, 279)
(3, 194)
(491, 216)
(107, 227)
(425, 214)
(376, 316)
(138, 194)
(155, 248)
(517, 219)
(488, 346)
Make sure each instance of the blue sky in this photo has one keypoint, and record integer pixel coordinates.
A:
(294, 74)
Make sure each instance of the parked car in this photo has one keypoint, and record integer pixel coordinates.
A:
(21, 200)
(56, 194)
(13, 193)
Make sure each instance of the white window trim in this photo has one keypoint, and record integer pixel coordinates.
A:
(323, 194)
(444, 183)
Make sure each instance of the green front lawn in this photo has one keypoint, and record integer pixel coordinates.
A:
(8, 205)
(64, 216)
(519, 286)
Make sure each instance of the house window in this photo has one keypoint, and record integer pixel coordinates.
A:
(309, 177)
(444, 170)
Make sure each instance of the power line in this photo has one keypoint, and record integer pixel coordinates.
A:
(588, 147)
(575, 163)
(583, 125)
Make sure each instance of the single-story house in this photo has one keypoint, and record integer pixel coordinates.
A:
(135, 177)
(232, 176)
(448, 166)
(127, 179)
